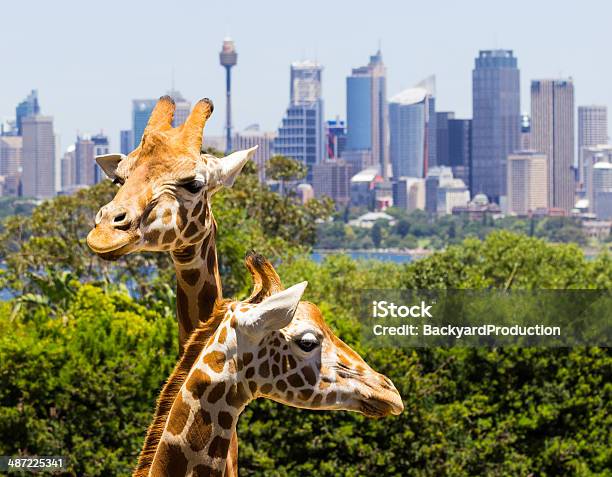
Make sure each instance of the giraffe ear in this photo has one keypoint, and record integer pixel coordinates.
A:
(274, 312)
(109, 162)
(230, 166)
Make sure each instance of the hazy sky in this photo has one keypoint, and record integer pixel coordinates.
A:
(89, 59)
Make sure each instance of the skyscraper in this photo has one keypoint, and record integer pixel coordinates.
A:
(67, 169)
(592, 125)
(11, 148)
(301, 134)
(28, 107)
(527, 182)
(460, 148)
(228, 59)
(101, 147)
(366, 112)
(592, 131)
(410, 125)
(496, 120)
(442, 145)
(38, 178)
(84, 161)
(602, 190)
(552, 133)
(125, 141)
(335, 138)
(141, 111)
(593, 155)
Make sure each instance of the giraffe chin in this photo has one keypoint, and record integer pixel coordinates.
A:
(380, 408)
(116, 254)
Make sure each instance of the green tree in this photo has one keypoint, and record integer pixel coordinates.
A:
(285, 169)
(376, 234)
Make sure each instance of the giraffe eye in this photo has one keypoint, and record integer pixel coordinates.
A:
(193, 187)
(308, 342)
(118, 181)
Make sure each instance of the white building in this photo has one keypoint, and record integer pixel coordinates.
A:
(409, 193)
(527, 184)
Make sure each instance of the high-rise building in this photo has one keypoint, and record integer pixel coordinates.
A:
(251, 136)
(496, 120)
(28, 107)
(335, 133)
(332, 179)
(592, 125)
(366, 113)
(11, 148)
(410, 118)
(301, 134)
(525, 141)
(38, 178)
(125, 141)
(305, 82)
(101, 147)
(67, 169)
(552, 133)
(84, 161)
(592, 131)
(527, 182)
(460, 148)
(454, 144)
(602, 190)
(141, 112)
(228, 59)
(594, 155)
(442, 139)
(182, 107)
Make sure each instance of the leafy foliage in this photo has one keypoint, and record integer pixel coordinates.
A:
(417, 228)
(85, 347)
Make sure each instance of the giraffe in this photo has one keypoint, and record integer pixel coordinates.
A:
(271, 345)
(163, 204)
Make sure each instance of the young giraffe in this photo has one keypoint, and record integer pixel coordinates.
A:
(163, 204)
(270, 345)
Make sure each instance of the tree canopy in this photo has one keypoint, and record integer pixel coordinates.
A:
(85, 347)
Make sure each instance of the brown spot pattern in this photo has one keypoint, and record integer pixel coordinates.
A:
(178, 415)
(216, 360)
(218, 447)
(216, 393)
(198, 383)
(200, 431)
(191, 276)
(296, 380)
(225, 419)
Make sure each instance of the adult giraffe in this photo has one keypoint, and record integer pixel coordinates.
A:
(271, 345)
(163, 204)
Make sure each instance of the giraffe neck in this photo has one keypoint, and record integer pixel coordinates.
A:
(198, 284)
(204, 411)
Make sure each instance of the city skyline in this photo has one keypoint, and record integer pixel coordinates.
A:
(81, 101)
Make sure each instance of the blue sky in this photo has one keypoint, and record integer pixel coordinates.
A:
(89, 59)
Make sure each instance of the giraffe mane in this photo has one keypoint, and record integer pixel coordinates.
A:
(196, 343)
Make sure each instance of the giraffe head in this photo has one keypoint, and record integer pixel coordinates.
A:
(287, 352)
(165, 186)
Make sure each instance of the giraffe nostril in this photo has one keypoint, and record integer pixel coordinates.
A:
(119, 218)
